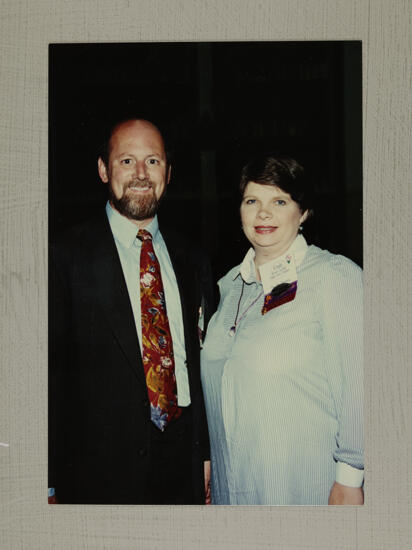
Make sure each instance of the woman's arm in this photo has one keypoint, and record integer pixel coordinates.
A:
(343, 332)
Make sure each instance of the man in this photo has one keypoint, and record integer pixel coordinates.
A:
(126, 415)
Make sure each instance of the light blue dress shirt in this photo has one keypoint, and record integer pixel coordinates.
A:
(129, 247)
(284, 395)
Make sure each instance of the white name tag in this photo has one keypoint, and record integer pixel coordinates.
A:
(280, 270)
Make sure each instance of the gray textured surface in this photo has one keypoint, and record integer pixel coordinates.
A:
(26, 28)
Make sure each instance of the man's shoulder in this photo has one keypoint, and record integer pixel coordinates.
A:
(80, 243)
(82, 233)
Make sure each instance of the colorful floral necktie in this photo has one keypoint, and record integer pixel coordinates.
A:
(157, 345)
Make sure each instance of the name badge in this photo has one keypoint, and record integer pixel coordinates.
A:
(275, 272)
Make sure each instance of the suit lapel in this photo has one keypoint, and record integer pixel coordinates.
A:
(113, 297)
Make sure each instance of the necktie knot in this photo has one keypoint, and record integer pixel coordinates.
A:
(144, 235)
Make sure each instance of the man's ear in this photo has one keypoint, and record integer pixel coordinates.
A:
(101, 167)
(169, 173)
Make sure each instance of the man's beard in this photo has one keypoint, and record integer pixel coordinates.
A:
(136, 208)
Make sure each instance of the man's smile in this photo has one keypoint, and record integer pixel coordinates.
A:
(141, 188)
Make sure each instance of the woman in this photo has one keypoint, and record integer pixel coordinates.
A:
(282, 359)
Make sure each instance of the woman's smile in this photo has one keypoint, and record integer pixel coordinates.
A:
(265, 229)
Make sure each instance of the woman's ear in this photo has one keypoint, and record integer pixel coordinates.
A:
(304, 216)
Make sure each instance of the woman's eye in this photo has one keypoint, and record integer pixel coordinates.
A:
(280, 202)
(250, 201)
(126, 161)
(153, 161)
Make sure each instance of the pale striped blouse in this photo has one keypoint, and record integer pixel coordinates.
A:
(284, 394)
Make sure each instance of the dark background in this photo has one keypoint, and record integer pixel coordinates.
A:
(218, 103)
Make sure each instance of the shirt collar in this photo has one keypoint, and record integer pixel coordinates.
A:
(124, 230)
(247, 268)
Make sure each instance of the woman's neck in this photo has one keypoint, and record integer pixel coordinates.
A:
(264, 255)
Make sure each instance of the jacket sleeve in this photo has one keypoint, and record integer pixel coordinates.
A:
(58, 322)
(208, 294)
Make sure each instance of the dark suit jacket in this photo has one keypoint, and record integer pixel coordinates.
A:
(99, 414)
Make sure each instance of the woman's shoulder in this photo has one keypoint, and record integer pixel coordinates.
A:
(226, 282)
(334, 266)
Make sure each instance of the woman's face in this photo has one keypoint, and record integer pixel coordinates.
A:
(270, 218)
